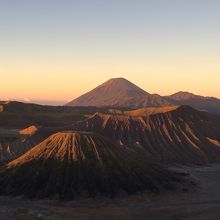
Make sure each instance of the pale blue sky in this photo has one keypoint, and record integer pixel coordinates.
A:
(162, 45)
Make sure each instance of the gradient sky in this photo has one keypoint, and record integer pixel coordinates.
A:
(52, 51)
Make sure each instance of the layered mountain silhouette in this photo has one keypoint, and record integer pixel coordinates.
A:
(169, 134)
(79, 164)
(119, 92)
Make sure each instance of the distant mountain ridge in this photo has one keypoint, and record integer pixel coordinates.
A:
(119, 92)
(182, 95)
(209, 104)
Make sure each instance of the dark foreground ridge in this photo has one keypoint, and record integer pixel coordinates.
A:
(70, 165)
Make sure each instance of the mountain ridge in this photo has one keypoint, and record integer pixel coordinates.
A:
(119, 92)
(180, 135)
(171, 135)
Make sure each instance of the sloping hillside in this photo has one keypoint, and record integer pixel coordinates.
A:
(20, 115)
(170, 135)
(69, 165)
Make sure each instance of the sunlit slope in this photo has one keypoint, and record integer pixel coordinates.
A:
(74, 164)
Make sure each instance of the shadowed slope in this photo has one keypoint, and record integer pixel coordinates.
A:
(26, 139)
(169, 135)
(20, 115)
(72, 164)
(7, 136)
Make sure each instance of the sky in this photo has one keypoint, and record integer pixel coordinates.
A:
(52, 51)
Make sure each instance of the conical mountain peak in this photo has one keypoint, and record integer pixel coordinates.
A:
(115, 92)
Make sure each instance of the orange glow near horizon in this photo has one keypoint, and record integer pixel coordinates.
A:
(59, 83)
(73, 46)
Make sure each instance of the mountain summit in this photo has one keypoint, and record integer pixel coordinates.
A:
(118, 92)
(114, 92)
(122, 85)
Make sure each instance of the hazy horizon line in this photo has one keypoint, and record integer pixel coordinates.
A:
(63, 102)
